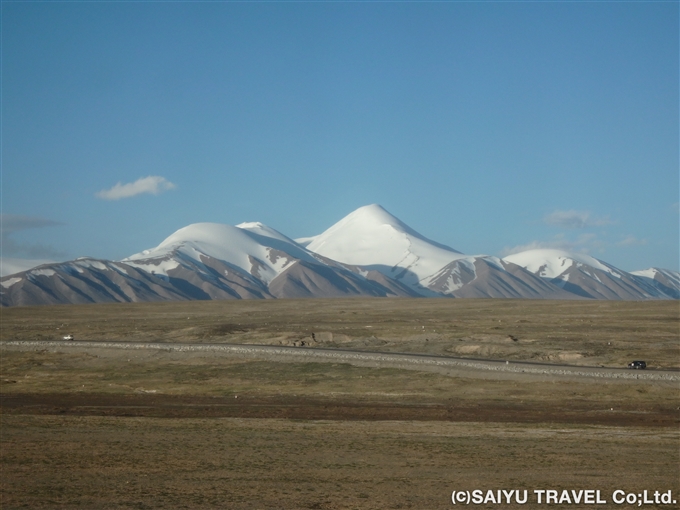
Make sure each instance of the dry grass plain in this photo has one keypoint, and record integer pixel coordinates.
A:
(606, 333)
(149, 429)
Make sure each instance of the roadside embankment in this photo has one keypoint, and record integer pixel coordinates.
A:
(405, 361)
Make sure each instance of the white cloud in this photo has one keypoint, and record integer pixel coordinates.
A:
(575, 219)
(153, 184)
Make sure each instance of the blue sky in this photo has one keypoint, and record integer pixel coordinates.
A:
(487, 126)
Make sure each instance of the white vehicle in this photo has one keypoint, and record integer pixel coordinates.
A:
(68, 337)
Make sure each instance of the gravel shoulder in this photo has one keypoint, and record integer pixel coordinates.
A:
(464, 366)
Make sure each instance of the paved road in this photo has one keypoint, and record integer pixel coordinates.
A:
(403, 360)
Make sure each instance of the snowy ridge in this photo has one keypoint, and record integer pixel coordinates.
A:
(549, 263)
(253, 248)
(452, 277)
(590, 278)
(660, 280)
(368, 253)
(656, 273)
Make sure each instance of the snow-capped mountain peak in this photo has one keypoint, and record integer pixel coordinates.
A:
(371, 236)
(589, 277)
(254, 248)
(551, 263)
(368, 220)
(662, 280)
(367, 253)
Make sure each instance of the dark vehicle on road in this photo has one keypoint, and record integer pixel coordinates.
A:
(637, 365)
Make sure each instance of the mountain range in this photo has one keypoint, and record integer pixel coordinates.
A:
(367, 253)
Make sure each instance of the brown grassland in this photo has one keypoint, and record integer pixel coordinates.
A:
(106, 428)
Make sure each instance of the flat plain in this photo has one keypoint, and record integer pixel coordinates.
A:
(107, 428)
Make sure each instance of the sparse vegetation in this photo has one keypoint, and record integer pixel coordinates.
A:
(161, 429)
(609, 333)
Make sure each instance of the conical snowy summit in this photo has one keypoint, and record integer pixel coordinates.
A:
(374, 238)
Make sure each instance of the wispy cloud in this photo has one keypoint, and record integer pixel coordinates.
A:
(153, 184)
(575, 219)
(12, 223)
(632, 241)
(533, 245)
(585, 243)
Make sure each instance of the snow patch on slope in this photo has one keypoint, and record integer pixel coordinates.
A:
(10, 266)
(456, 278)
(159, 266)
(91, 263)
(42, 272)
(647, 273)
(8, 283)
